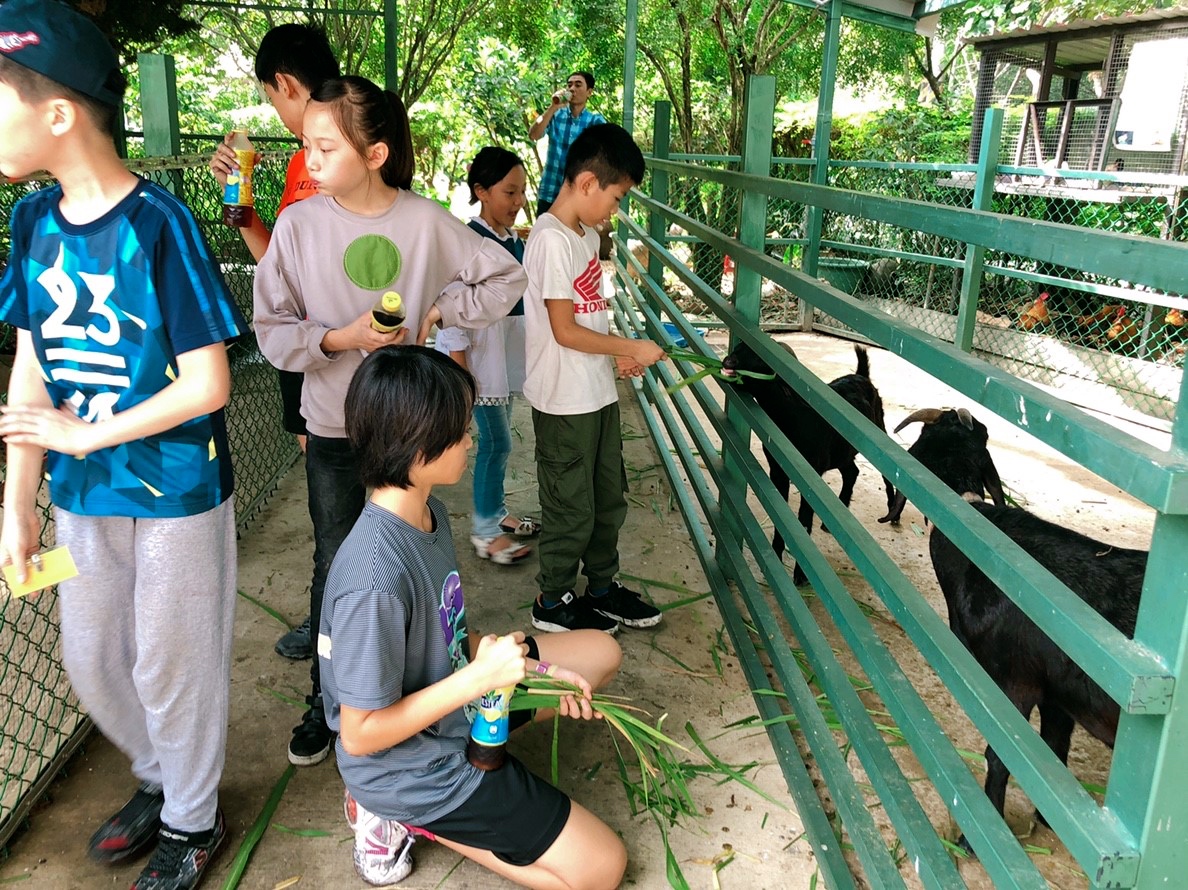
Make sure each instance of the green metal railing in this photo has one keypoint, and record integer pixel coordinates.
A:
(1127, 841)
(41, 723)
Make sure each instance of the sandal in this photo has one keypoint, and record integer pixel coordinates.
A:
(522, 527)
(507, 556)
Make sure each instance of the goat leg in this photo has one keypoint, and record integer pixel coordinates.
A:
(780, 480)
(1056, 727)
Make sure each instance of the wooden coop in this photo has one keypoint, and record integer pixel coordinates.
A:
(1107, 96)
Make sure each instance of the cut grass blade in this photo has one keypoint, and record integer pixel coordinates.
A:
(302, 832)
(265, 608)
(257, 830)
(725, 768)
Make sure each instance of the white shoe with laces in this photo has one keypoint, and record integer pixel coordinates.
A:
(382, 852)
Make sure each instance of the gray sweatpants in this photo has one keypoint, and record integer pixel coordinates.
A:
(146, 640)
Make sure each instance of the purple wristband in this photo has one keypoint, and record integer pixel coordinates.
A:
(542, 667)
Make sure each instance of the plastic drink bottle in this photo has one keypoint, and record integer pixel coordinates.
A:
(487, 747)
(388, 312)
(238, 199)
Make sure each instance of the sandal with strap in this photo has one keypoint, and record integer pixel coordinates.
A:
(507, 556)
(521, 526)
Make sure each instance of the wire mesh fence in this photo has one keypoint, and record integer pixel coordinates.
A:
(1098, 341)
(40, 717)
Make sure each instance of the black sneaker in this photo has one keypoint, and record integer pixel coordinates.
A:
(130, 830)
(181, 857)
(571, 614)
(297, 644)
(312, 738)
(625, 606)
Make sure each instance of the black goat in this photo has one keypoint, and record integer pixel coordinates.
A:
(822, 446)
(1021, 659)
(952, 445)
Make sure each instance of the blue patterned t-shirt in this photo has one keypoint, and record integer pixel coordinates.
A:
(110, 305)
(563, 129)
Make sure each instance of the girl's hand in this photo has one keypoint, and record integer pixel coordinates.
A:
(359, 334)
(18, 540)
(500, 661)
(432, 317)
(59, 429)
(575, 705)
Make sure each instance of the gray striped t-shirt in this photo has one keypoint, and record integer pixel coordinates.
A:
(393, 622)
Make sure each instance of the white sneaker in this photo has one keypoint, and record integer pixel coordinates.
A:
(383, 848)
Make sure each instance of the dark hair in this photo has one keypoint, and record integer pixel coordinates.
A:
(301, 51)
(586, 76)
(366, 115)
(34, 87)
(607, 151)
(489, 167)
(404, 404)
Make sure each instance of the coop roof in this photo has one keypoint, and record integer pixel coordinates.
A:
(1088, 40)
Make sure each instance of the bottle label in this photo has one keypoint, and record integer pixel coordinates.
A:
(490, 725)
(239, 182)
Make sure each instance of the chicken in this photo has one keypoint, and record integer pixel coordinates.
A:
(1124, 329)
(1035, 314)
(1095, 318)
(1175, 317)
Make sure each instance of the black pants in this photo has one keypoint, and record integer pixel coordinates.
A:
(336, 498)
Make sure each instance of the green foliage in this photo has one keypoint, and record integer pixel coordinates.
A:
(133, 25)
(907, 133)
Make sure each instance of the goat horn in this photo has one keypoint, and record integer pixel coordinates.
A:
(966, 418)
(923, 415)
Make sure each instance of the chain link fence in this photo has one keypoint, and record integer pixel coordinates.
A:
(41, 722)
(1098, 341)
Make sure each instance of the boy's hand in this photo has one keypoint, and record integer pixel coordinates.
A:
(58, 429)
(223, 161)
(19, 539)
(575, 705)
(359, 334)
(500, 661)
(646, 352)
(628, 367)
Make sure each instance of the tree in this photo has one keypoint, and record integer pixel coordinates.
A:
(132, 25)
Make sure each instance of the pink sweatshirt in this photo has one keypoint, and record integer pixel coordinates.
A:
(326, 266)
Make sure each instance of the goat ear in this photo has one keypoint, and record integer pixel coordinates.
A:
(966, 418)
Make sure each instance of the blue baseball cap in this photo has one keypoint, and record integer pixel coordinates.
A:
(62, 44)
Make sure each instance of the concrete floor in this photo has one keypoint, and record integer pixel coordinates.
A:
(667, 670)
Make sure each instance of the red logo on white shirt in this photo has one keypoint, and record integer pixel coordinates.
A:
(11, 40)
(588, 286)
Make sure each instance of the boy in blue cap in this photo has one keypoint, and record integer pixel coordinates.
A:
(121, 374)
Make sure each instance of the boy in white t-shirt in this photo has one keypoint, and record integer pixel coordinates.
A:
(571, 387)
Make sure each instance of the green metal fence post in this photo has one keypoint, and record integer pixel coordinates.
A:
(975, 254)
(629, 53)
(814, 217)
(657, 227)
(1148, 787)
(759, 121)
(391, 44)
(158, 108)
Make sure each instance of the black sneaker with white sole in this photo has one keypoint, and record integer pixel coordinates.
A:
(312, 738)
(625, 606)
(571, 613)
(181, 857)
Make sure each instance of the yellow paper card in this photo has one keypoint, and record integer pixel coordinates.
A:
(44, 569)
